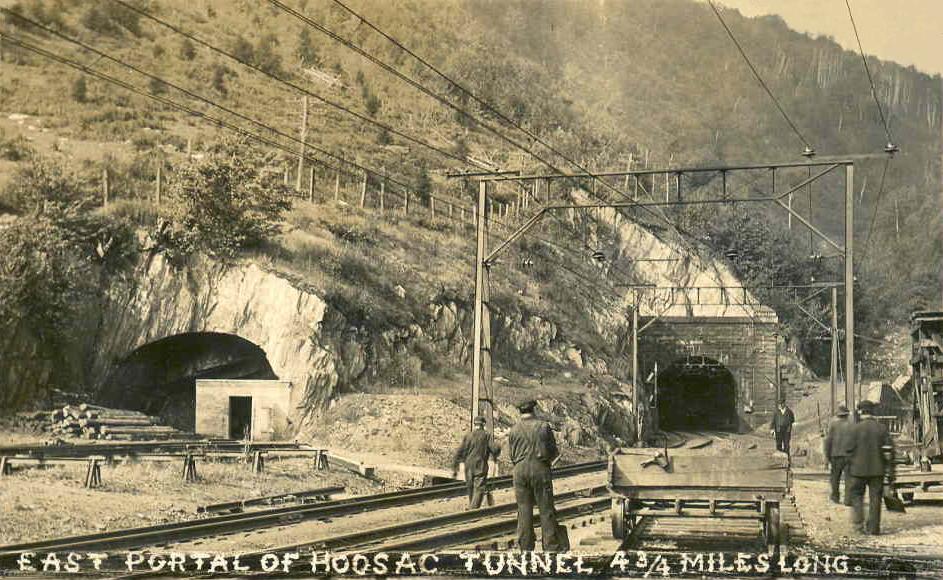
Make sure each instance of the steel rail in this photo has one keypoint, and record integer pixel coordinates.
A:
(179, 531)
(368, 538)
(269, 499)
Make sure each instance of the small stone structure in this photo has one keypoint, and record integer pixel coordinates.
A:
(232, 409)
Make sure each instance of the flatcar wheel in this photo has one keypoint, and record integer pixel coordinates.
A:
(772, 527)
(617, 518)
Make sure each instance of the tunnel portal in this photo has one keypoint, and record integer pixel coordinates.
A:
(697, 393)
(159, 377)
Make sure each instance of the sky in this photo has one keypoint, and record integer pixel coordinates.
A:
(909, 32)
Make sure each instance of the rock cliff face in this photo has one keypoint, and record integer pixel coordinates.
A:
(158, 300)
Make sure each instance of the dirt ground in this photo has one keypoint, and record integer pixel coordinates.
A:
(917, 532)
(44, 503)
(413, 429)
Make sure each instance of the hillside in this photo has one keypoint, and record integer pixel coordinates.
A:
(654, 82)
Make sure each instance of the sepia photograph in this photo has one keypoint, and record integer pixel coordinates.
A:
(471, 288)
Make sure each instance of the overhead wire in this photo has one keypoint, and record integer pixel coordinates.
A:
(214, 120)
(205, 116)
(656, 213)
(289, 83)
(809, 150)
(874, 210)
(867, 69)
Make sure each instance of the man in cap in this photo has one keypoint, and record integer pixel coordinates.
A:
(872, 460)
(475, 451)
(838, 444)
(781, 426)
(532, 449)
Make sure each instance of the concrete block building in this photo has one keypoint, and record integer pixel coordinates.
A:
(257, 410)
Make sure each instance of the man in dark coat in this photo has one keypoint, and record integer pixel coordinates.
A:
(476, 449)
(782, 426)
(872, 460)
(532, 449)
(838, 445)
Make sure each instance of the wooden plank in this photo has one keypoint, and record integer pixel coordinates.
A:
(693, 493)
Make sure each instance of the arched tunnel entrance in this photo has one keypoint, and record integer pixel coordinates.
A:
(159, 378)
(697, 393)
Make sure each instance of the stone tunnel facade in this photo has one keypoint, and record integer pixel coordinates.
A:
(745, 347)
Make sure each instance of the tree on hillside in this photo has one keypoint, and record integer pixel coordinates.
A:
(80, 90)
(306, 49)
(229, 202)
(242, 50)
(187, 50)
(266, 55)
(111, 19)
(220, 73)
(48, 266)
(41, 181)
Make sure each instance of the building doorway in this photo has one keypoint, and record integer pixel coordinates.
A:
(240, 418)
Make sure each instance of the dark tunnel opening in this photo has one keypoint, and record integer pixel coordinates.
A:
(159, 378)
(697, 393)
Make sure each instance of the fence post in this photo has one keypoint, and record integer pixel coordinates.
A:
(363, 190)
(311, 184)
(105, 187)
(160, 168)
(382, 196)
(432, 207)
(406, 203)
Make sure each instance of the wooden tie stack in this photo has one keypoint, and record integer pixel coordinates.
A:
(95, 422)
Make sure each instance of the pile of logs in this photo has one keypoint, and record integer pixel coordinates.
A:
(94, 422)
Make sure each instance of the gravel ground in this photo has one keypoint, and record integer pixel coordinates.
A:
(39, 504)
(918, 532)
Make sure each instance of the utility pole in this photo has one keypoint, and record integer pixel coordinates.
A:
(833, 375)
(337, 184)
(850, 289)
(481, 357)
(363, 190)
(304, 135)
(636, 399)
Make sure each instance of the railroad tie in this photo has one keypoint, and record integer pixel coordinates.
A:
(189, 469)
(93, 475)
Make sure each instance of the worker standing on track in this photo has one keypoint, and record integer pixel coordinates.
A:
(872, 462)
(532, 449)
(476, 450)
(838, 445)
(783, 418)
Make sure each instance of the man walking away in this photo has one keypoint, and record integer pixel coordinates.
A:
(532, 450)
(476, 449)
(782, 426)
(872, 460)
(838, 444)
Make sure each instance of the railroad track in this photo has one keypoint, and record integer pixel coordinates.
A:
(448, 530)
(131, 448)
(164, 534)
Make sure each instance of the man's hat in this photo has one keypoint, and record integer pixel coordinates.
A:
(842, 411)
(527, 406)
(479, 420)
(866, 406)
